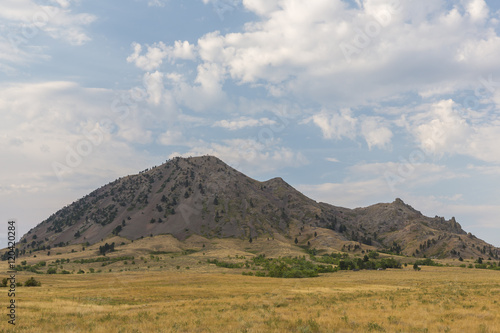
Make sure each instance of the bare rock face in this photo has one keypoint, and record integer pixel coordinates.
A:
(204, 196)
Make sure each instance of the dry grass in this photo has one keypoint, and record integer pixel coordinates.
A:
(436, 299)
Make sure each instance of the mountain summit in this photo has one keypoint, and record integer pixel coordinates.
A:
(204, 196)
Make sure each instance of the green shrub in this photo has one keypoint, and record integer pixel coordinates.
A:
(427, 262)
(31, 282)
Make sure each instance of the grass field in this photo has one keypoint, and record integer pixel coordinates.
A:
(435, 299)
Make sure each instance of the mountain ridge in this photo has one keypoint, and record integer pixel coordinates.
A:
(204, 196)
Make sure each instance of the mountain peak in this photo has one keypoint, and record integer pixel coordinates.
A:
(399, 201)
(204, 196)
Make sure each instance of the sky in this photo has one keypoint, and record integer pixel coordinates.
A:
(352, 102)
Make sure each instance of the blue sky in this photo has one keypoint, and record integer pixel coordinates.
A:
(351, 102)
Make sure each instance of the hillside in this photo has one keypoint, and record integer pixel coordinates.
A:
(204, 196)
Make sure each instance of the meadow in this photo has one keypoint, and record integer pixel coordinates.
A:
(215, 299)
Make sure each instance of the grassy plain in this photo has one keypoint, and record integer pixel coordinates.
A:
(435, 299)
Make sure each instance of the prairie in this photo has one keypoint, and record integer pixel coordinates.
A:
(435, 299)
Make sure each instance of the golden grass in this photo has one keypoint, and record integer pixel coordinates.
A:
(436, 299)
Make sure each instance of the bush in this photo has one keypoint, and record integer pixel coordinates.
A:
(31, 282)
(427, 262)
(52, 270)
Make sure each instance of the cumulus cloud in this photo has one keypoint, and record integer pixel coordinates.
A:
(445, 131)
(336, 125)
(261, 7)
(343, 124)
(375, 132)
(297, 45)
(152, 59)
(477, 9)
(156, 53)
(154, 86)
(295, 50)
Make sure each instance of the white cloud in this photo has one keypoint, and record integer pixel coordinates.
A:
(24, 21)
(477, 9)
(293, 50)
(261, 7)
(183, 50)
(172, 138)
(157, 52)
(27, 19)
(296, 46)
(336, 125)
(442, 130)
(154, 87)
(243, 122)
(206, 92)
(153, 58)
(342, 124)
(375, 133)
(58, 123)
(445, 131)
(42, 122)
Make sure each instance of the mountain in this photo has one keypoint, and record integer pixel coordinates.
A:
(206, 197)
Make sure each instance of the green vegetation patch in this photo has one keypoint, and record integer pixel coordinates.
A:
(106, 260)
